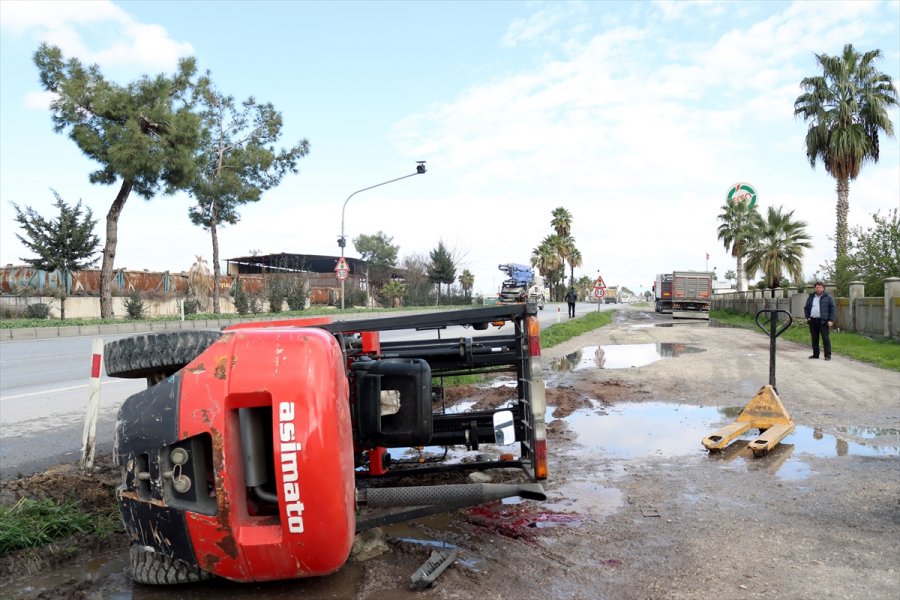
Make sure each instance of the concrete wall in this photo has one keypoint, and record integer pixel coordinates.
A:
(88, 307)
(878, 316)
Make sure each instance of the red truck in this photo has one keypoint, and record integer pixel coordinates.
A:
(258, 452)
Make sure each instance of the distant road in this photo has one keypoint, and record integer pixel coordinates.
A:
(43, 395)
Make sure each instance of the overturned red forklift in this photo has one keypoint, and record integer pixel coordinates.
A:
(258, 452)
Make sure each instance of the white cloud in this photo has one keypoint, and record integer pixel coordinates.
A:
(618, 136)
(127, 43)
(39, 100)
(544, 25)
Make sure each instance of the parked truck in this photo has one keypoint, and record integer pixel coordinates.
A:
(662, 290)
(258, 452)
(611, 296)
(521, 285)
(691, 293)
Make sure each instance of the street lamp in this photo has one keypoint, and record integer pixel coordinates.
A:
(342, 241)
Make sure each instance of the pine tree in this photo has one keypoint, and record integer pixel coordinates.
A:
(64, 244)
(442, 268)
(143, 136)
(237, 162)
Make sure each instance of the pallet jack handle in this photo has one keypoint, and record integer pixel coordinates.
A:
(774, 331)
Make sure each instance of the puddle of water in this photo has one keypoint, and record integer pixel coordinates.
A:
(585, 498)
(620, 356)
(643, 430)
(661, 430)
(504, 382)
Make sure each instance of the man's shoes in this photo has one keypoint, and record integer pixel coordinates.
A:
(827, 358)
(813, 356)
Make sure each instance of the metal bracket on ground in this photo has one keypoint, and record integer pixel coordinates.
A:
(426, 575)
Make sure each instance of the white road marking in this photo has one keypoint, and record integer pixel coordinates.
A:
(65, 389)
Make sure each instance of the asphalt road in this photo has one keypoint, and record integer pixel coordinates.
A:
(44, 393)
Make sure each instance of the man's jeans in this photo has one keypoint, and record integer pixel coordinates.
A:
(819, 327)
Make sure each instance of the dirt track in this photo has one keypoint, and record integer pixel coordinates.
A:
(637, 508)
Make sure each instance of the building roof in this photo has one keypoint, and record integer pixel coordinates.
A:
(311, 263)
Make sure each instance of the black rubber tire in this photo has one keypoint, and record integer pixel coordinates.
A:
(152, 568)
(155, 353)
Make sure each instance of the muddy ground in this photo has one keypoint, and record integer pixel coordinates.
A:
(637, 509)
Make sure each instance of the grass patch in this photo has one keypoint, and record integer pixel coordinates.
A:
(881, 352)
(31, 523)
(564, 331)
(456, 380)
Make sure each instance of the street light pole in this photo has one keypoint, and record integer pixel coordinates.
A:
(342, 241)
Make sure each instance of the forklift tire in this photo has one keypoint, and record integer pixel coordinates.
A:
(155, 354)
(152, 568)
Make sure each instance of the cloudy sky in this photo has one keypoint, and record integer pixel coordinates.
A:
(635, 116)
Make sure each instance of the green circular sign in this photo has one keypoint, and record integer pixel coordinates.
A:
(742, 192)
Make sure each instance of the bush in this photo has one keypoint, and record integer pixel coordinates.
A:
(276, 296)
(241, 301)
(296, 294)
(355, 297)
(38, 310)
(134, 306)
(191, 306)
(256, 304)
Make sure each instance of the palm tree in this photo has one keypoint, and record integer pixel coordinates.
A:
(779, 248)
(847, 108)
(561, 222)
(546, 258)
(574, 260)
(740, 226)
(466, 281)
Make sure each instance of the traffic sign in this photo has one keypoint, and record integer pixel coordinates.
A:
(342, 265)
(342, 274)
(599, 283)
(599, 292)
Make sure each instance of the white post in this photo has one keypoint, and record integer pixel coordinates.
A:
(89, 437)
(557, 314)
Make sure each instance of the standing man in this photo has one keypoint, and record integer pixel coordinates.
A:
(820, 312)
(571, 298)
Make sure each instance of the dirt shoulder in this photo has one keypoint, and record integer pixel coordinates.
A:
(637, 509)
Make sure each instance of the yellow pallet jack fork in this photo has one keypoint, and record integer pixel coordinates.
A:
(765, 411)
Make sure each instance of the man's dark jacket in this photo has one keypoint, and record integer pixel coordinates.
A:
(827, 309)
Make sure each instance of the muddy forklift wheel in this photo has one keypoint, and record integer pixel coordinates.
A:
(152, 568)
(156, 355)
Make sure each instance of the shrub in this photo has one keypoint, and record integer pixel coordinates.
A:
(38, 310)
(296, 294)
(134, 306)
(191, 306)
(355, 297)
(276, 296)
(241, 301)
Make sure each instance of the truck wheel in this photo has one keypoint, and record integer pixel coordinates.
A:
(152, 568)
(156, 355)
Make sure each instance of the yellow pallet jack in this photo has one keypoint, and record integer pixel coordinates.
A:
(765, 411)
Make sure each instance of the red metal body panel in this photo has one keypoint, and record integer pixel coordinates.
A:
(300, 374)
